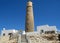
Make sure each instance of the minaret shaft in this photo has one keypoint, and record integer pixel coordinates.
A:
(29, 27)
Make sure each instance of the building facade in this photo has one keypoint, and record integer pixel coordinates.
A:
(46, 29)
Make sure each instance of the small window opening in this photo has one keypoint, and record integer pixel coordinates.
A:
(3, 34)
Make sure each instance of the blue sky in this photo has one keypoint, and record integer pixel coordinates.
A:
(13, 13)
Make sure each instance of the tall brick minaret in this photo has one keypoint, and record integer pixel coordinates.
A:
(29, 24)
